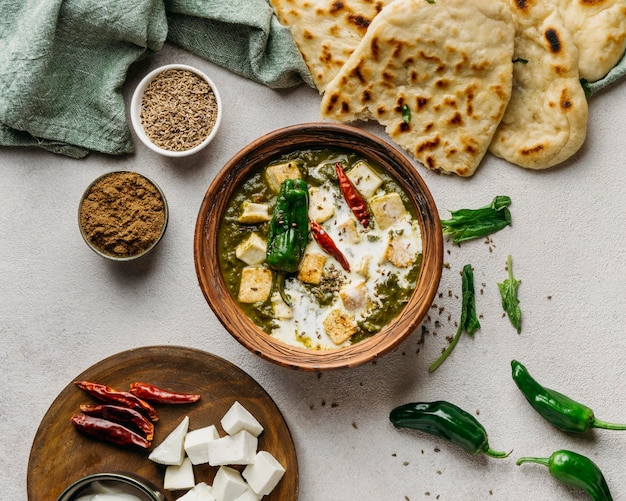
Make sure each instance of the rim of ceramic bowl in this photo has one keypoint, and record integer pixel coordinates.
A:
(113, 257)
(142, 485)
(262, 151)
(135, 110)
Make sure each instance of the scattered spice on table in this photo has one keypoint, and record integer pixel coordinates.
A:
(123, 214)
(178, 110)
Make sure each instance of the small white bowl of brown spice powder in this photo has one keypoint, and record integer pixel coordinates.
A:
(122, 215)
(176, 110)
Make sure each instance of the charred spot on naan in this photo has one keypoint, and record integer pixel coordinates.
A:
(521, 4)
(592, 2)
(403, 127)
(456, 120)
(375, 48)
(532, 152)
(503, 94)
(427, 145)
(470, 94)
(566, 102)
(553, 40)
(332, 101)
(421, 102)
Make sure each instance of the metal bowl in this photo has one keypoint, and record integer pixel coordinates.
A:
(107, 482)
(104, 252)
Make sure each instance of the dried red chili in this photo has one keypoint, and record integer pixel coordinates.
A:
(328, 245)
(353, 198)
(125, 398)
(155, 394)
(108, 430)
(121, 415)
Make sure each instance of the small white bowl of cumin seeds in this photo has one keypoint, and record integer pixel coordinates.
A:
(176, 110)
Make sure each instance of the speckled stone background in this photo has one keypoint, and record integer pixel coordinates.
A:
(63, 308)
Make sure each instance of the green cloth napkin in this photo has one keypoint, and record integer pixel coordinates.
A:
(62, 66)
(63, 62)
(243, 36)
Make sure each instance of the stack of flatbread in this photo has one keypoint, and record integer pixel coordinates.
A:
(452, 79)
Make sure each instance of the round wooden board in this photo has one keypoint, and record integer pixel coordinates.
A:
(61, 455)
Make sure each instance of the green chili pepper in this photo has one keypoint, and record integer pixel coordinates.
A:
(288, 231)
(447, 421)
(575, 470)
(561, 411)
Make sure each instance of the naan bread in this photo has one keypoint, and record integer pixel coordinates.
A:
(448, 62)
(546, 120)
(599, 31)
(327, 31)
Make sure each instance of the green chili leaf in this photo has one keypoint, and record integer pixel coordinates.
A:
(430, 1)
(467, 224)
(406, 114)
(520, 60)
(510, 303)
(469, 320)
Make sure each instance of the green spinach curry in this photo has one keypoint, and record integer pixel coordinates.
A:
(358, 258)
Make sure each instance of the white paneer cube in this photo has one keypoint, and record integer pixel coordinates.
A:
(253, 213)
(239, 448)
(401, 251)
(252, 250)
(388, 210)
(340, 326)
(281, 309)
(238, 418)
(364, 179)
(255, 285)
(197, 443)
(248, 495)
(228, 484)
(264, 474)
(172, 450)
(199, 492)
(348, 232)
(363, 268)
(321, 205)
(354, 296)
(179, 477)
(312, 268)
(276, 174)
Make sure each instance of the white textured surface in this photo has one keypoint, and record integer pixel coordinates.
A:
(63, 309)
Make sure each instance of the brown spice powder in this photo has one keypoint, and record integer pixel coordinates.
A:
(178, 110)
(123, 214)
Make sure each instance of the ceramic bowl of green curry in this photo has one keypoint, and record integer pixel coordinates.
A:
(319, 246)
